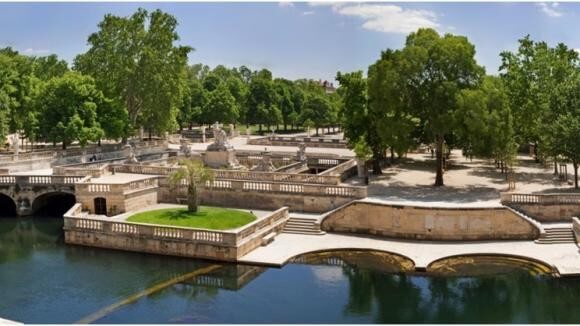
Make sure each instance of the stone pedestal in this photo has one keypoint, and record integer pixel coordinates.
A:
(360, 168)
(221, 159)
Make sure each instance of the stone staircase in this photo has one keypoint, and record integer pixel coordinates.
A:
(303, 225)
(557, 233)
(550, 233)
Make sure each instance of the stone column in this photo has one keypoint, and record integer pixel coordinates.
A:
(203, 134)
(360, 167)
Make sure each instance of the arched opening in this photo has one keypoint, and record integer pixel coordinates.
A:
(53, 204)
(372, 259)
(100, 206)
(7, 206)
(488, 264)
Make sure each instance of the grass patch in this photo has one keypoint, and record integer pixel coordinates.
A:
(213, 218)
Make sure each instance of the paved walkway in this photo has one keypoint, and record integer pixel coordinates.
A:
(565, 257)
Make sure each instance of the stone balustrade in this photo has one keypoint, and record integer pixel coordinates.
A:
(203, 243)
(118, 188)
(540, 199)
(294, 141)
(276, 177)
(281, 187)
(39, 179)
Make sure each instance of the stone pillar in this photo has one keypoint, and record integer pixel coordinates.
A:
(360, 167)
(232, 133)
(203, 134)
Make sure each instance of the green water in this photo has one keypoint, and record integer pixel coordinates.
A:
(44, 281)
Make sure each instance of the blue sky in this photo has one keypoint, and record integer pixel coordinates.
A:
(297, 40)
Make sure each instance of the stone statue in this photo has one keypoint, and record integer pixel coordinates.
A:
(220, 139)
(185, 148)
(15, 140)
(131, 159)
(265, 165)
(301, 153)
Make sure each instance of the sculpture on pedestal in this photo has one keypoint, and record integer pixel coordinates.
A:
(220, 153)
(301, 153)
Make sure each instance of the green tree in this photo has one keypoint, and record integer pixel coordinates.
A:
(436, 68)
(194, 173)
(262, 99)
(49, 67)
(68, 107)
(221, 106)
(317, 109)
(136, 63)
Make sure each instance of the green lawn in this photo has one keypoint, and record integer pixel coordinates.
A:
(213, 218)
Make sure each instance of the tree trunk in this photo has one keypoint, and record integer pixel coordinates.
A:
(316, 131)
(439, 158)
(392, 156)
(192, 198)
(63, 145)
(377, 156)
(555, 166)
(575, 164)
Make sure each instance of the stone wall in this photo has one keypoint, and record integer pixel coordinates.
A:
(119, 198)
(545, 207)
(576, 226)
(429, 223)
(267, 195)
(166, 240)
(550, 212)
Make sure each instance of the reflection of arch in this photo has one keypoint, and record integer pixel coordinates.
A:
(53, 203)
(404, 262)
(7, 206)
(100, 206)
(461, 264)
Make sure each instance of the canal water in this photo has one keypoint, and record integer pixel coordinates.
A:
(42, 280)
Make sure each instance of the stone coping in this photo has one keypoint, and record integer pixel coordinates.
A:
(435, 204)
(563, 257)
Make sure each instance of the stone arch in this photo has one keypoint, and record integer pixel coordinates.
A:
(7, 205)
(404, 263)
(53, 203)
(476, 263)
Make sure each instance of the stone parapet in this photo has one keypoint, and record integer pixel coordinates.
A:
(576, 227)
(168, 240)
(430, 223)
(545, 207)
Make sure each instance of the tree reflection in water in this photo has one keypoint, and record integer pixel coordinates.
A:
(503, 290)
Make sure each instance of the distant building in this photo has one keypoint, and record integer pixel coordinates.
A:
(328, 86)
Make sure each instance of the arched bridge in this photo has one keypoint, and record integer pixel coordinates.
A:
(25, 194)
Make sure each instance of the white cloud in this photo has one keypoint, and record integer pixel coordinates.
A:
(550, 9)
(31, 51)
(390, 18)
(308, 13)
(285, 4)
(326, 3)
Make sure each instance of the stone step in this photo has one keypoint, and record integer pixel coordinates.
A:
(304, 232)
(546, 241)
(306, 224)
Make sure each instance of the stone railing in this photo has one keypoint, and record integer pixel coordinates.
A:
(262, 224)
(27, 156)
(294, 141)
(143, 169)
(39, 179)
(342, 171)
(540, 199)
(282, 187)
(92, 169)
(79, 229)
(119, 188)
(277, 177)
(73, 223)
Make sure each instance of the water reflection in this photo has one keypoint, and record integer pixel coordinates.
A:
(45, 281)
